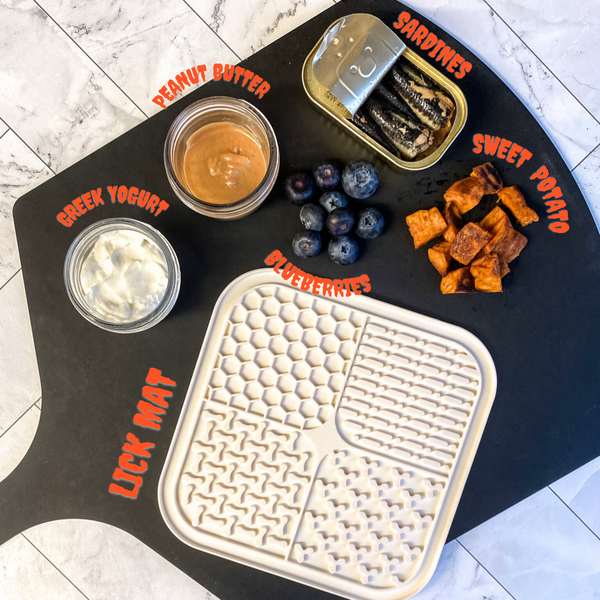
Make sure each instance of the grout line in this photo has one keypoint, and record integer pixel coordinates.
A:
(465, 549)
(32, 150)
(9, 279)
(82, 50)
(7, 130)
(545, 65)
(55, 566)
(585, 157)
(222, 40)
(18, 419)
(580, 519)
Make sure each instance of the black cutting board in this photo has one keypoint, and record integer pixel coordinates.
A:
(542, 331)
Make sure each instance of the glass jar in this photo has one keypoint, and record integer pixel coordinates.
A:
(80, 249)
(219, 109)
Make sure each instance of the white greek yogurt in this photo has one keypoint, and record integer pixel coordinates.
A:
(124, 277)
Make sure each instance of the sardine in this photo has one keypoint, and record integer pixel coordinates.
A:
(383, 93)
(432, 106)
(408, 136)
(364, 122)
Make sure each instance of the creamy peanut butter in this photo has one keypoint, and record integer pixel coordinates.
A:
(223, 163)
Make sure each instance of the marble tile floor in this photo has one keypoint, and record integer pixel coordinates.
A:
(74, 76)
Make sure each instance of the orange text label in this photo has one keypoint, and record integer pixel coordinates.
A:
(492, 145)
(118, 194)
(131, 464)
(316, 285)
(236, 74)
(438, 49)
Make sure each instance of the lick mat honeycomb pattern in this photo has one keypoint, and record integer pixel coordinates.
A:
(320, 438)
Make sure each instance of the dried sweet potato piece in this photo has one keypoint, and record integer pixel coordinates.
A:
(499, 225)
(425, 225)
(440, 257)
(512, 198)
(488, 177)
(465, 193)
(468, 242)
(496, 220)
(452, 216)
(490, 284)
(458, 282)
(507, 246)
(486, 273)
(489, 264)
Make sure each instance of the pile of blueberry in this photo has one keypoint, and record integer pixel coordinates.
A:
(359, 180)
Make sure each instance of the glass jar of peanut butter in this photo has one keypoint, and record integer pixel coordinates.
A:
(221, 157)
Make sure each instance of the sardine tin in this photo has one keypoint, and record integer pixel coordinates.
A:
(327, 101)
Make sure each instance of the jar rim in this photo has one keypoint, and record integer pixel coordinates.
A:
(74, 260)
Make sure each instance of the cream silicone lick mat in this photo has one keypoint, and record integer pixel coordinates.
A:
(326, 440)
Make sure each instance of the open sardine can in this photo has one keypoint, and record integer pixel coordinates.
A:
(351, 59)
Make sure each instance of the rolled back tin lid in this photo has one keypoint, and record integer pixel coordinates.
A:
(356, 53)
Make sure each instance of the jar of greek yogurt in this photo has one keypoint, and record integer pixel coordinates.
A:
(122, 275)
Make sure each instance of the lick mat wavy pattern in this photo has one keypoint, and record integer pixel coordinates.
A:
(320, 438)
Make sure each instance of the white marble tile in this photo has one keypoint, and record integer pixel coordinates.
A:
(20, 171)
(459, 575)
(580, 490)
(25, 574)
(15, 441)
(539, 550)
(574, 131)
(105, 562)
(564, 35)
(52, 94)
(250, 25)
(141, 44)
(19, 377)
(587, 175)
(3, 128)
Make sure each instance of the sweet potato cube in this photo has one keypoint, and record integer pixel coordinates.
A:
(507, 246)
(425, 225)
(499, 225)
(440, 257)
(495, 221)
(488, 284)
(452, 216)
(488, 177)
(486, 273)
(504, 270)
(512, 198)
(468, 242)
(458, 282)
(465, 193)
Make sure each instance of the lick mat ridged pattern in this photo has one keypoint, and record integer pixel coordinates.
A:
(324, 440)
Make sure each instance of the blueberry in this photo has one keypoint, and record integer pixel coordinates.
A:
(343, 250)
(360, 179)
(312, 217)
(340, 221)
(307, 244)
(332, 200)
(369, 224)
(299, 188)
(326, 175)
